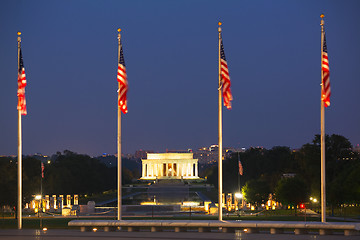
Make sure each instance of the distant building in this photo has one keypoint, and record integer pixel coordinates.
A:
(206, 156)
(140, 154)
(179, 151)
(214, 148)
(169, 166)
(210, 155)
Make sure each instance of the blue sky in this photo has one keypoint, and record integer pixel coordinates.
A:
(171, 53)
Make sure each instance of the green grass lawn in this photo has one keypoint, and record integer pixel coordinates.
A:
(34, 223)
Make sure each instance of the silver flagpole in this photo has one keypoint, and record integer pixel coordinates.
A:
(19, 205)
(239, 171)
(41, 192)
(220, 132)
(323, 189)
(119, 139)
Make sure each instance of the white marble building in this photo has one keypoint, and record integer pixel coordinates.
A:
(169, 166)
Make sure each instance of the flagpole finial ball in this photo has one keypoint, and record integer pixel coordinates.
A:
(322, 15)
(219, 23)
(119, 29)
(18, 33)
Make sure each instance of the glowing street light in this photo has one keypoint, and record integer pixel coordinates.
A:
(238, 195)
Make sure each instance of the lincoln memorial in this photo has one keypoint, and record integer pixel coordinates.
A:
(169, 166)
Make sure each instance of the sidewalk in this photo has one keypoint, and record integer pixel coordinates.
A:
(28, 234)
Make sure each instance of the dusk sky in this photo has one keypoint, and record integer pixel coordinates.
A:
(171, 53)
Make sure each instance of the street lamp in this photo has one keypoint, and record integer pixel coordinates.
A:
(238, 195)
(313, 201)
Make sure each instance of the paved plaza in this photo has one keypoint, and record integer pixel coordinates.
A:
(28, 234)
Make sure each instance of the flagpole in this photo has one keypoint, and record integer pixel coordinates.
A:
(323, 188)
(19, 205)
(220, 132)
(119, 140)
(41, 192)
(239, 171)
(239, 187)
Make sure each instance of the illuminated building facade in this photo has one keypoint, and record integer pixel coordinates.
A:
(169, 166)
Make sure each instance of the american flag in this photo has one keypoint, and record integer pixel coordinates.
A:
(42, 169)
(21, 86)
(224, 72)
(325, 90)
(122, 79)
(241, 170)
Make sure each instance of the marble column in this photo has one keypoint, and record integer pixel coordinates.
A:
(76, 199)
(61, 197)
(68, 200)
(196, 169)
(55, 204)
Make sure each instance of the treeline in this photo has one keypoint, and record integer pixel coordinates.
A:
(293, 176)
(66, 173)
(290, 176)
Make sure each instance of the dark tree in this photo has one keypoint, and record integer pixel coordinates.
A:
(339, 161)
(72, 173)
(291, 191)
(31, 177)
(8, 181)
(256, 191)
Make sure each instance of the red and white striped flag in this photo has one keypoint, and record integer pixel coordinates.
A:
(122, 79)
(224, 72)
(325, 90)
(241, 169)
(42, 169)
(21, 86)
